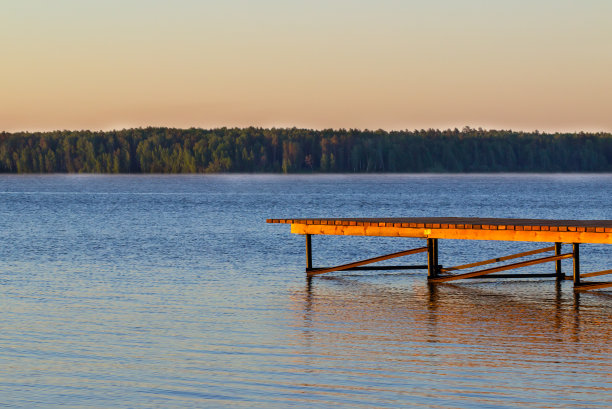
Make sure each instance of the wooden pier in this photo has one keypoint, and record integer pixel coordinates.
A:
(432, 229)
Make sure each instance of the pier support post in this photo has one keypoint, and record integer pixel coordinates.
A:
(558, 271)
(576, 257)
(436, 265)
(432, 258)
(308, 253)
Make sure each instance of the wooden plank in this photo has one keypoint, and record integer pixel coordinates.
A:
(496, 260)
(598, 226)
(358, 230)
(367, 261)
(591, 286)
(456, 234)
(502, 268)
(598, 273)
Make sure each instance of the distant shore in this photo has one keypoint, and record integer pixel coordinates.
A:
(294, 150)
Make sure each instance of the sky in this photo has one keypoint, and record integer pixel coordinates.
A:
(383, 64)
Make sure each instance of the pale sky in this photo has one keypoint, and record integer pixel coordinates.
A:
(390, 64)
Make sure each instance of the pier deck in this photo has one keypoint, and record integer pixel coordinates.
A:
(574, 232)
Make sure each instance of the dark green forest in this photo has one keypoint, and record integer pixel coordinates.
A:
(293, 150)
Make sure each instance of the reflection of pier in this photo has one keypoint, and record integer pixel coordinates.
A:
(455, 313)
(574, 232)
(505, 343)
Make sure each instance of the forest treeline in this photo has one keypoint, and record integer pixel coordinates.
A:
(293, 150)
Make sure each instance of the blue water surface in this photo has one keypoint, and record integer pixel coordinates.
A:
(173, 292)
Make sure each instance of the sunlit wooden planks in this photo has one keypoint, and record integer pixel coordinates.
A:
(475, 223)
(299, 228)
(456, 233)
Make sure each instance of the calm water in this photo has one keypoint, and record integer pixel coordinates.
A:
(171, 291)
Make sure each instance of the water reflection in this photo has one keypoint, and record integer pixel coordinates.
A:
(504, 343)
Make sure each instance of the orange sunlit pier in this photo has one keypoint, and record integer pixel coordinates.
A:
(432, 229)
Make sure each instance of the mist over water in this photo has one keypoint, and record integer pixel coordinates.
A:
(172, 291)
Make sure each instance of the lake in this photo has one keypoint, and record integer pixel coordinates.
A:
(172, 291)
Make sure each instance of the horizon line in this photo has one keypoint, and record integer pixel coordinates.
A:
(464, 128)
